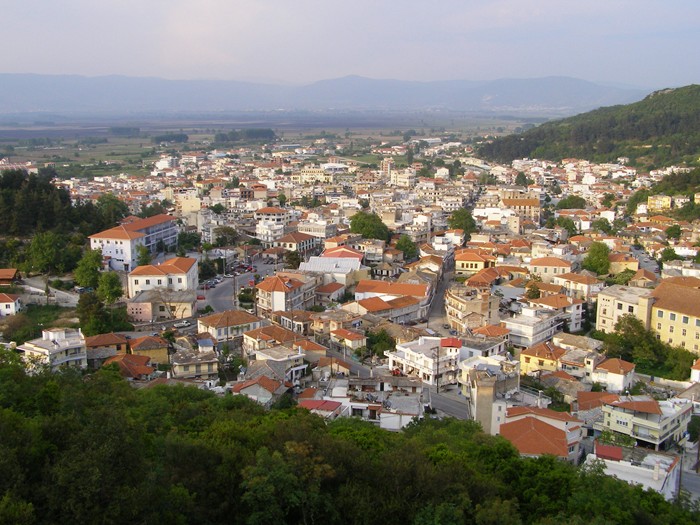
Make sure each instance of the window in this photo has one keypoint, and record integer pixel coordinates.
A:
(160, 281)
(630, 309)
(658, 326)
(672, 316)
(170, 280)
(619, 306)
(540, 362)
(136, 281)
(148, 281)
(684, 320)
(670, 329)
(527, 359)
(605, 311)
(179, 279)
(683, 332)
(660, 314)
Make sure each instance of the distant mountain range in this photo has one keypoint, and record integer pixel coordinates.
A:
(70, 94)
(661, 129)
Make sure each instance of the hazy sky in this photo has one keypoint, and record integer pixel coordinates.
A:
(645, 43)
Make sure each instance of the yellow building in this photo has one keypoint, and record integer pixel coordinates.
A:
(542, 356)
(152, 346)
(659, 203)
(675, 313)
(469, 262)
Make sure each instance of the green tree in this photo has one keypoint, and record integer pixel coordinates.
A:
(87, 273)
(292, 259)
(608, 200)
(533, 291)
(111, 209)
(568, 224)
(143, 256)
(673, 232)
(282, 198)
(369, 225)
(462, 219)
(380, 342)
(669, 254)
(44, 254)
(218, 209)
(597, 260)
(109, 288)
(408, 247)
(571, 202)
(225, 236)
(602, 225)
(188, 240)
(92, 314)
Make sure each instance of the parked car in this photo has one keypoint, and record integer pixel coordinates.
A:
(182, 324)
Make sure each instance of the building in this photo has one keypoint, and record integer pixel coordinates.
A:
(540, 357)
(653, 423)
(618, 300)
(227, 328)
(161, 305)
(432, 359)
(10, 304)
(101, 347)
(532, 326)
(675, 314)
(132, 367)
(469, 262)
(176, 274)
(568, 308)
(537, 431)
(57, 348)
(547, 268)
(280, 292)
(120, 245)
(151, 346)
(192, 364)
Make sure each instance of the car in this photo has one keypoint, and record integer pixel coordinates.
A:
(182, 324)
(201, 298)
(453, 332)
(446, 326)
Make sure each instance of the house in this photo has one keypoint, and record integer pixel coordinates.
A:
(10, 304)
(539, 357)
(289, 360)
(432, 359)
(616, 375)
(619, 262)
(470, 262)
(57, 348)
(176, 274)
(120, 245)
(280, 292)
(266, 337)
(328, 410)
(547, 268)
(192, 364)
(161, 305)
(228, 327)
(329, 366)
(579, 286)
(347, 341)
(132, 367)
(152, 346)
(569, 309)
(9, 276)
(532, 326)
(467, 308)
(537, 431)
(103, 346)
(262, 389)
(658, 424)
(644, 279)
(302, 243)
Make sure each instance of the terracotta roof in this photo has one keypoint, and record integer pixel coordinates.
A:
(521, 202)
(119, 232)
(330, 288)
(175, 265)
(612, 452)
(616, 366)
(550, 261)
(696, 365)
(330, 361)
(343, 251)
(677, 298)
(148, 342)
(8, 298)
(229, 318)
(374, 304)
(264, 382)
(491, 330)
(578, 278)
(8, 273)
(541, 412)
(105, 340)
(271, 209)
(589, 400)
(450, 342)
(131, 365)
(534, 437)
(295, 237)
(320, 405)
(348, 334)
(557, 301)
(277, 283)
(650, 406)
(544, 350)
(383, 287)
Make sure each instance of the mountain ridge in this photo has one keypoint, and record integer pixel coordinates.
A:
(118, 93)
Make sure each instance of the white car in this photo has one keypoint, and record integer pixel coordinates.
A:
(182, 324)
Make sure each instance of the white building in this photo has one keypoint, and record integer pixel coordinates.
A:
(58, 347)
(120, 245)
(177, 274)
(432, 359)
(10, 304)
(533, 326)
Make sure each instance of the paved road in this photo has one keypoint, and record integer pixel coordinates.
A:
(68, 299)
(449, 403)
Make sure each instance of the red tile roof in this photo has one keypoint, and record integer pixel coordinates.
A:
(534, 437)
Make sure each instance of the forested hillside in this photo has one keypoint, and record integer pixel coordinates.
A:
(660, 130)
(91, 449)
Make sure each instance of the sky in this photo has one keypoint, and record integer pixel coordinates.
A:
(640, 43)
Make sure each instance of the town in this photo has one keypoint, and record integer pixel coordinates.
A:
(432, 284)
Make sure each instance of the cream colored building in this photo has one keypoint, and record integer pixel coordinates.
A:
(618, 300)
(466, 308)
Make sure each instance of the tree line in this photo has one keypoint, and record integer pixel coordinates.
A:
(92, 449)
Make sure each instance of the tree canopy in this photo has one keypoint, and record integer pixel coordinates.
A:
(407, 246)
(571, 202)
(92, 449)
(597, 260)
(369, 225)
(462, 219)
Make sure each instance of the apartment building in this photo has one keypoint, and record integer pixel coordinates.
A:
(120, 245)
(176, 274)
(467, 307)
(532, 326)
(432, 359)
(675, 315)
(618, 300)
(57, 348)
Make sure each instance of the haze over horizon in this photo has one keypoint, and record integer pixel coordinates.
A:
(636, 43)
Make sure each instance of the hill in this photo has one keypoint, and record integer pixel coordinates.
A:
(661, 129)
(550, 96)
